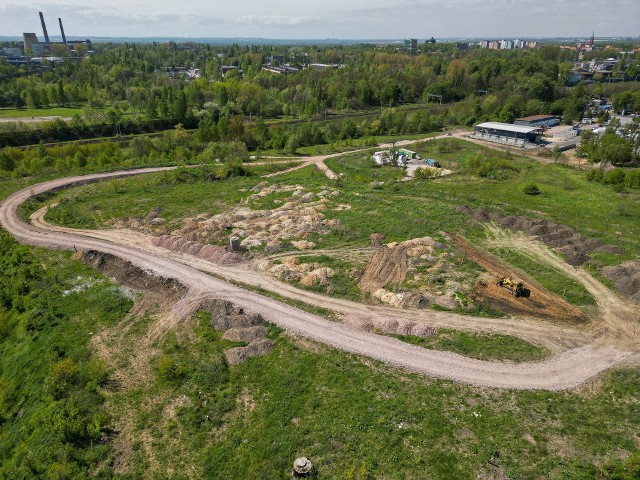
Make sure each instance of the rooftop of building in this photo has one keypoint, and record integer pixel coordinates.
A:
(508, 127)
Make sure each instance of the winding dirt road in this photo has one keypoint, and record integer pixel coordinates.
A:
(566, 370)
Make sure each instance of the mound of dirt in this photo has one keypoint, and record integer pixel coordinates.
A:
(246, 335)
(298, 218)
(308, 274)
(257, 348)
(239, 326)
(387, 265)
(390, 326)
(537, 301)
(574, 246)
(127, 274)
(626, 278)
(211, 253)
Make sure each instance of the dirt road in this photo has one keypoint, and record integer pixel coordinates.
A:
(567, 370)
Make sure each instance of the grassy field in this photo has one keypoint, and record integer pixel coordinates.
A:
(358, 419)
(399, 210)
(40, 112)
(353, 417)
(189, 415)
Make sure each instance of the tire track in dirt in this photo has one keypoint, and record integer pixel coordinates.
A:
(566, 370)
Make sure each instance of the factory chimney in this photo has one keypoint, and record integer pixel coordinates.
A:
(64, 39)
(44, 28)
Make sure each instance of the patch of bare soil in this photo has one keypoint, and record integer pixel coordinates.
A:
(426, 273)
(537, 302)
(294, 221)
(387, 265)
(626, 278)
(573, 246)
(238, 326)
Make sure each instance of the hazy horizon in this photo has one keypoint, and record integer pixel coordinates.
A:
(358, 20)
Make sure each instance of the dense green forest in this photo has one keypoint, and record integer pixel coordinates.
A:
(138, 88)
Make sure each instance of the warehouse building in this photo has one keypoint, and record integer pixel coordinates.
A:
(538, 121)
(508, 134)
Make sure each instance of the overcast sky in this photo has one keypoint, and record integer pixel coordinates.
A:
(309, 19)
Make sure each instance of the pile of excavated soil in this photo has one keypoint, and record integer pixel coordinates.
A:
(626, 278)
(537, 302)
(308, 274)
(390, 326)
(212, 253)
(397, 263)
(299, 217)
(293, 222)
(238, 326)
(567, 241)
(387, 265)
(127, 274)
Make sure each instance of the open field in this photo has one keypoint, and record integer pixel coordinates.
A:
(354, 418)
(498, 433)
(25, 114)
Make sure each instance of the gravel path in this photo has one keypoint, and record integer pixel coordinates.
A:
(567, 370)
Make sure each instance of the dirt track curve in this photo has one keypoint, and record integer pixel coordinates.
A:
(566, 370)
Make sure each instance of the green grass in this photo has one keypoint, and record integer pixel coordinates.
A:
(354, 418)
(40, 112)
(554, 280)
(480, 346)
(52, 413)
(360, 419)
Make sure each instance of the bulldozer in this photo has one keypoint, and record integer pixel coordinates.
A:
(512, 285)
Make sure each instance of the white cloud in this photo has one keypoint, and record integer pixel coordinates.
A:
(276, 20)
(329, 18)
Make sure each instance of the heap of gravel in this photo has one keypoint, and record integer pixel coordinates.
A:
(574, 246)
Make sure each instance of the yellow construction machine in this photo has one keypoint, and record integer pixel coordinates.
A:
(512, 285)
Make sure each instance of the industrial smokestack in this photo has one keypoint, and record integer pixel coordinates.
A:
(64, 39)
(44, 28)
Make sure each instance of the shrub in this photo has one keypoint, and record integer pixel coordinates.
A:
(531, 189)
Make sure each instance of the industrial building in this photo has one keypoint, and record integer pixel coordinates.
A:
(508, 134)
(33, 46)
(538, 121)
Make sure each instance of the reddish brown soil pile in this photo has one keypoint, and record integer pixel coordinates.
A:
(572, 245)
(212, 253)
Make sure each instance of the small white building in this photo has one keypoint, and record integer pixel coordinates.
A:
(381, 158)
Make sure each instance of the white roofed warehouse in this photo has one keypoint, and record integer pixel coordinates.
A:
(508, 134)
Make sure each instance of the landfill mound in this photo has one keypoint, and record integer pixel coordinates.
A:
(572, 245)
(212, 253)
(626, 278)
(297, 218)
(238, 326)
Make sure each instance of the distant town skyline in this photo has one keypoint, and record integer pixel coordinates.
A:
(304, 19)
